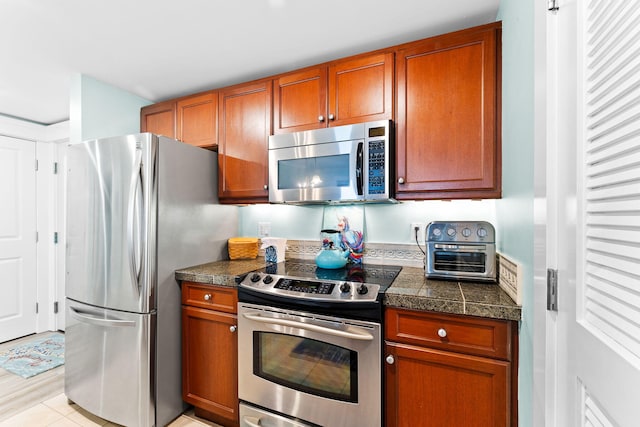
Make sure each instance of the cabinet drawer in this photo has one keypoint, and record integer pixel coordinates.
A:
(218, 298)
(463, 334)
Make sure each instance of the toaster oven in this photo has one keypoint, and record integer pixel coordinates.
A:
(462, 250)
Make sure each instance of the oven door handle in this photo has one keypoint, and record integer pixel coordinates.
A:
(353, 334)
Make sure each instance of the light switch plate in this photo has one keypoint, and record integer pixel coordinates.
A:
(510, 277)
(264, 229)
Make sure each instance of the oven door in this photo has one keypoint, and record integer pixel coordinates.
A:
(317, 172)
(319, 369)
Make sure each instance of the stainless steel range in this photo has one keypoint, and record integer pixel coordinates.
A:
(310, 345)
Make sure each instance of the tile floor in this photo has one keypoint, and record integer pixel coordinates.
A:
(57, 412)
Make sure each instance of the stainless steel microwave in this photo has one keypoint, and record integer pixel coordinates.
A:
(351, 163)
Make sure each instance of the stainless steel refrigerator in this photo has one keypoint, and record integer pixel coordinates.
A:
(139, 207)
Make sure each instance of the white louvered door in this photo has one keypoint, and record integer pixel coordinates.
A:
(598, 213)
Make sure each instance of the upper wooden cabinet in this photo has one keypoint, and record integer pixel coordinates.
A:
(245, 126)
(342, 92)
(448, 116)
(159, 118)
(191, 119)
(197, 120)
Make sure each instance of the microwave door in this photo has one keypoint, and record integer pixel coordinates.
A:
(316, 173)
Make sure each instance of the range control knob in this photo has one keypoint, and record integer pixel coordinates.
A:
(466, 232)
(255, 277)
(362, 289)
(451, 232)
(345, 288)
(267, 279)
(482, 232)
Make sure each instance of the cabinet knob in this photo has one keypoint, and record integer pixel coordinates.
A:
(390, 359)
(266, 187)
(442, 333)
(207, 297)
(401, 180)
(332, 117)
(321, 118)
(233, 328)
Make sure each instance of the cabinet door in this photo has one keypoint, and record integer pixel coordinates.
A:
(434, 388)
(197, 120)
(210, 361)
(300, 101)
(159, 118)
(448, 111)
(245, 126)
(361, 89)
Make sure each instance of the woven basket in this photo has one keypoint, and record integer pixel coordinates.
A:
(243, 247)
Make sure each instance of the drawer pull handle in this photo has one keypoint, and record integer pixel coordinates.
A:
(233, 328)
(390, 359)
(442, 333)
(207, 297)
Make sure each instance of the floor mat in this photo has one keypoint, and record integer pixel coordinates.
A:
(33, 358)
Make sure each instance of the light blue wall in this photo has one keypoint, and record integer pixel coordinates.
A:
(99, 110)
(514, 212)
(383, 223)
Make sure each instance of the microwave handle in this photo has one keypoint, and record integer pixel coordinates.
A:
(359, 166)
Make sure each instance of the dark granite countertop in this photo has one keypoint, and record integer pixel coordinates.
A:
(409, 290)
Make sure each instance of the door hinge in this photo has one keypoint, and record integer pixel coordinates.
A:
(36, 308)
(55, 168)
(552, 289)
(55, 307)
(552, 5)
(55, 237)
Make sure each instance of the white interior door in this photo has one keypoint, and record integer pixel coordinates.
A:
(595, 211)
(18, 287)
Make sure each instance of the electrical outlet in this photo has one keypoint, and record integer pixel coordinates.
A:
(264, 229)
(420, 226)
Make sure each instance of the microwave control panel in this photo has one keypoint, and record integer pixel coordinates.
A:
(377, 174)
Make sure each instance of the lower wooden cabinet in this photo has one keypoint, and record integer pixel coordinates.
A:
(210, 352)
(447, 370)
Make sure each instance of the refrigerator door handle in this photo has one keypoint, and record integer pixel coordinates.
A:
(134, 222)
(98, 321)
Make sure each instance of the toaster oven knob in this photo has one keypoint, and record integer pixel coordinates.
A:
(466, 232)
(482, 232)
(345, 288)
(451, 232)
(437, 232)
(442, 333)
(255, 278)
(362, 290)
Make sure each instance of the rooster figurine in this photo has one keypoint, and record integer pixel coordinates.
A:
(351, 240)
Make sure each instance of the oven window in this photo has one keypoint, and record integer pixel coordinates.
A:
(469, 262)
(314, 172)
(307, 365)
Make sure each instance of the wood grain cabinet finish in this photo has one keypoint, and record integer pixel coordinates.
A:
(210, 352)
(245, 126)
(448, 116)
(448, 370)
(197, 120)
(159, 118)
(342, 92)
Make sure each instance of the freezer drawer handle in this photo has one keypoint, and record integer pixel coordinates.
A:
(84, 317)
(356, 335)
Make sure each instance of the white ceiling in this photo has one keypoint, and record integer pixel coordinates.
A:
(160, 49)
